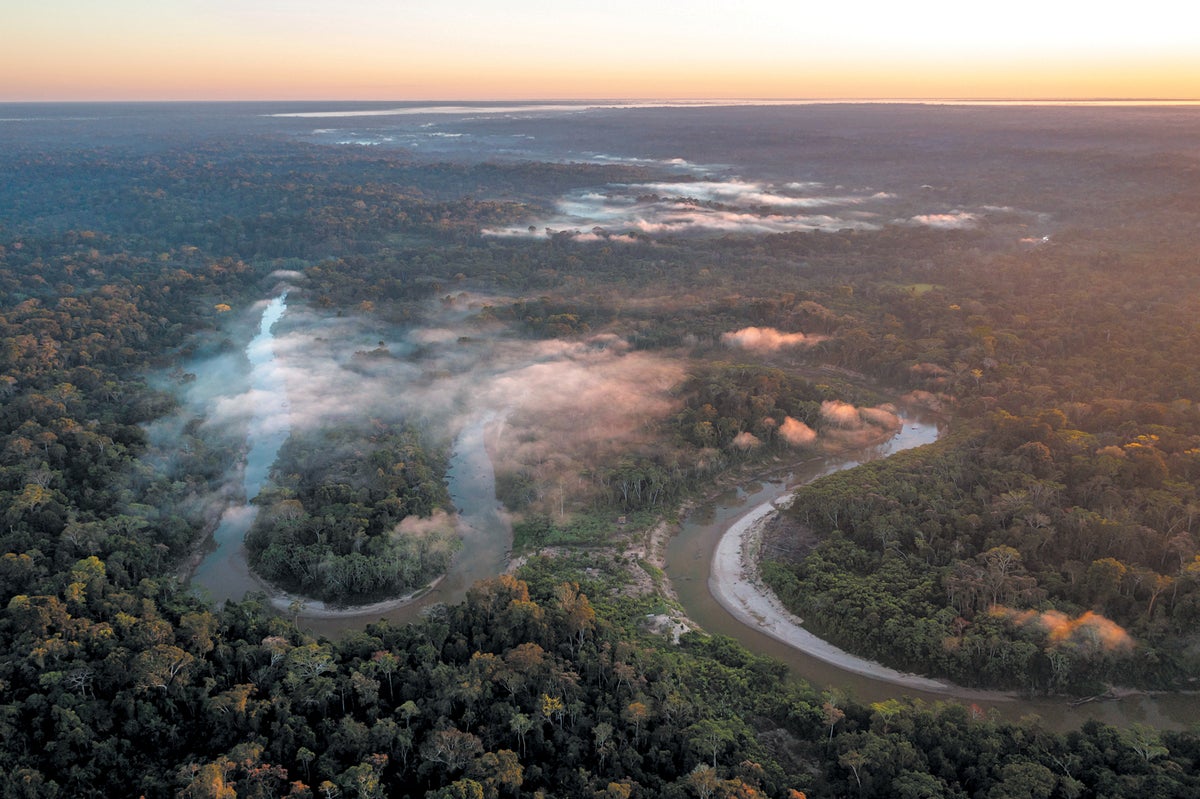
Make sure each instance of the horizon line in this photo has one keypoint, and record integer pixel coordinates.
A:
(645, 101)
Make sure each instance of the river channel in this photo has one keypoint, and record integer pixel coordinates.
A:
(689, 565)
(487, 537)
(224, 573)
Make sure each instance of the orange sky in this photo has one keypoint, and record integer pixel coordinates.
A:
(472, 49)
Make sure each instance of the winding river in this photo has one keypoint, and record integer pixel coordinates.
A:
(224, 573)
(689, 566)
(487, 537)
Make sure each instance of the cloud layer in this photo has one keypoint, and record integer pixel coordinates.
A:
(729, 205)
(710, 204)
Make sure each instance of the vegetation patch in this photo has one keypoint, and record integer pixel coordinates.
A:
(354, 514)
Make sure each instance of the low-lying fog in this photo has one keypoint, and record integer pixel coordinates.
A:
(558, 404)
(557, 407)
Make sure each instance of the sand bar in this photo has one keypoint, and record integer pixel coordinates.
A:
(734, 583)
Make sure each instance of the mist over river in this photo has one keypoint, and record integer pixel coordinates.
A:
(486, 535)
(224, 573)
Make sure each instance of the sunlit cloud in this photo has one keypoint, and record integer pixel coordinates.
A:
(885, 417)
(844, 425)
(947, 221)
(840, 414)
(746, 440)
(1087, 630)
(919, 398)
(418, 527)
(767, 339)
(796, 432)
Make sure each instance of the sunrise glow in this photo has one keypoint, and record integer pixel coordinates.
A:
(369, 49)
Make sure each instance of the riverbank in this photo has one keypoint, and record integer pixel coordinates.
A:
(307, 608)
(734, 582)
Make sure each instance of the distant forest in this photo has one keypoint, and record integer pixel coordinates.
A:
(1047, 543)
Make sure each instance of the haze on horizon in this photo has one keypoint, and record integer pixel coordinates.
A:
(68, 50)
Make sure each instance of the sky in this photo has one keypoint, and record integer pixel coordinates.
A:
(58, 50)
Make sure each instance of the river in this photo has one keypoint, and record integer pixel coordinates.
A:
(689, 565)
(487, 537)
(224, 573)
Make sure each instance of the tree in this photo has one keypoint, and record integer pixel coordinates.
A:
(306, 756)
(855, 761)
(552, 708)
(161, 666)
(711, 737)
(579, 616)
(521, 725)
(209, 783)
(636, 713)
(497, 771)
(409, 711)
(1145, 741)
(452, 748)
(196, 631)
(1104, 578)
(385, 663)
(704, 781)
(364, 778)
(832, 714)
(917, 785)
(459, 789)
(1024, 780)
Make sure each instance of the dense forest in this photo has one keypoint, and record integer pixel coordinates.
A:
(1047, 542)
(1055, 529)
(333, 525)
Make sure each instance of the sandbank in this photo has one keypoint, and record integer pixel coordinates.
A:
(735, 584)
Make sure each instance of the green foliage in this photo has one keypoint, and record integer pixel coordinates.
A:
(355, 514)
(117, 681)
(582, 529)
(1025, 553)
(723, 400)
